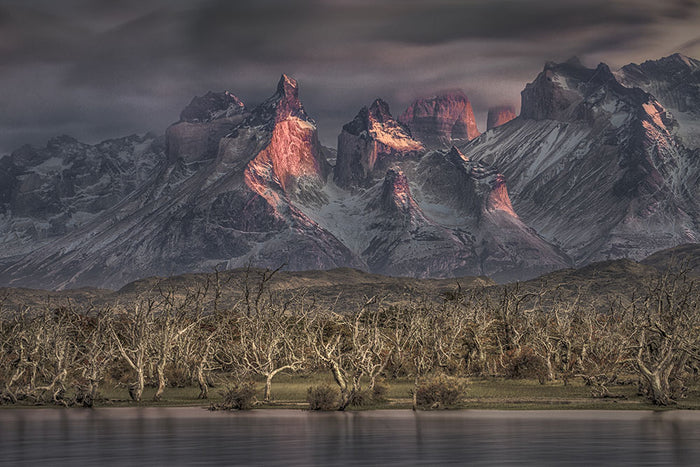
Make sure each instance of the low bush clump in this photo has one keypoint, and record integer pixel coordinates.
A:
(178, 376)
(374, 395)
(237, 396)
(440, 391)
(380, 390)
(323, 397)
(523, 363)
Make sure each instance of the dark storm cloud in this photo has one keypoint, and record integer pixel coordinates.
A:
(99, 68)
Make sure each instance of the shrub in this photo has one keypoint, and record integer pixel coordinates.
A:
(237, 396)
(370, 396)
(380, 390)
(323, 397)
(178, 376)
(84, 396)
(523, 364)
(440, 391)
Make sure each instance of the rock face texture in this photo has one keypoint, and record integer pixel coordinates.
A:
(442, 120)
(675, 82)
(224, 212)
(292, 161)
(499, 115)
(212, 106)
(597, 166)
(202, 124)
(47, 193)
(371, 142)
(451, 217)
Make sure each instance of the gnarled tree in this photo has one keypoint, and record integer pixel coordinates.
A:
(666, 330)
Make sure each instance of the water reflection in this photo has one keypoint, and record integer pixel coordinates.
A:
(178, 436)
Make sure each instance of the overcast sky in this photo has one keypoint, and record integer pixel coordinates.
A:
(97, 69)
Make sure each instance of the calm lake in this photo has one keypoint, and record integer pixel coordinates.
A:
(194, 436)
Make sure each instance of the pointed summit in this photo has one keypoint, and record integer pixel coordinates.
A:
(284, 103)
(287, 86)
(293, 152)
(396, 194)
(675, 82)
(568, 91)
(677, 60)
(379, 111)
(370, 143)
(288, 103)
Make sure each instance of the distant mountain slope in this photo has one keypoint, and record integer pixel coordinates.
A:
(197, 214)
(683, 256)
(47, 193)
(345, 289)
(675, 82)
(341, 289)
(595, 167)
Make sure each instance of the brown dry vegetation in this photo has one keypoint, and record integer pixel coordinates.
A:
(614, 330)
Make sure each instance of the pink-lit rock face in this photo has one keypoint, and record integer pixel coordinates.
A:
(293, 151)
(441, 120)
(498, 199)
(499, 115)
(288, 103)
(609, 153)
(370, 143)
(597, 170)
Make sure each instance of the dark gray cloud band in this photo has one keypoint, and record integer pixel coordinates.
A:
(99, 69)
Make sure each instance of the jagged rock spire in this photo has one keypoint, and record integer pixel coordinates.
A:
(287, 97)
(370, 143)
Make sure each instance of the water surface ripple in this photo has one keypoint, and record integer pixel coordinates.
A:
(194, 436)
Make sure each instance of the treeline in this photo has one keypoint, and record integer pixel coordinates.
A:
(177, 337)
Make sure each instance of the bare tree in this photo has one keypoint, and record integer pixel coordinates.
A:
(179, 311)
(665, 328)
(43, 350)
(433, 338)
(353, 347)
(95, 351)
(198, 347)
(511, 322)
(271, 343)
(479, 332)
(550, 333)
(16, 358)
(130, 330)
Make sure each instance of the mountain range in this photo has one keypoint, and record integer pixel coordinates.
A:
(599, 165)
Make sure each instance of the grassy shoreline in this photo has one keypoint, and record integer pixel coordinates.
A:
(289, 392)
